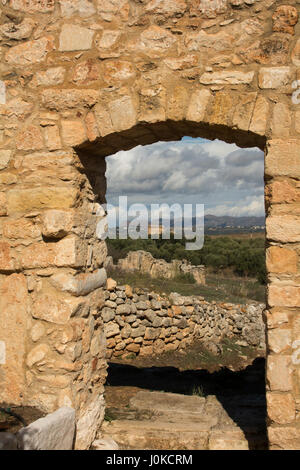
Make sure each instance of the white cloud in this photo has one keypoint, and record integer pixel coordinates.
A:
(251, 206)
(208, 172)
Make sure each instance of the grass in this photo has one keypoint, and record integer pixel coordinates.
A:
(109, 416)
(198, 391)
(223, 287)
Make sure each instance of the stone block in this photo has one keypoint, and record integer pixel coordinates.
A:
(56, 223)
(274, 77)
(279, 373)
(283, 157)
(75, 38)
(89, 422)
(105, 444)
(282, 295)
(53, 432)
(30, 52)
(123, 113)
(73, 133)
(281, 260)
(284, 437)
(281, 407)
(33, 6)
(225, 77)
(260, 115)
(198, 104)
(30, 138)
(80, 285)
(69, 98)
(283, 228)
(14, 305)
(5, 156)
(27, 200)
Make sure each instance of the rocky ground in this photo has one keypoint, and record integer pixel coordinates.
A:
(24, 415)
(220, 404)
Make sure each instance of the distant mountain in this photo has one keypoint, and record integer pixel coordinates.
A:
(213, 221)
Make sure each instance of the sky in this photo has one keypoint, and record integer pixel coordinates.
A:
(228, 180)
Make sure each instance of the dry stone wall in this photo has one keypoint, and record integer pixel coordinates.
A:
(144, 262)
(80, 80)
(142, 323)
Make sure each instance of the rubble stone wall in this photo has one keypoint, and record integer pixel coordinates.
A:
(83, 79)
(142, 323)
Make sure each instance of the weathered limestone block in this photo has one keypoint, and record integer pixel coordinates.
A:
(222, 109)
(25, 200)
(279, 340)
(285, 18)
(283, 157)
(167, 7)
(69, 251)
(5, 156)
(89, 422)
(225, 77)
(281, 260)
(73, 133)
(123, 114)
(202, 41)
(59, 100)
(52, 137)
(281, 122)
(111, 329)
(283, 228)
(115, 72)
(155, 41)
(284, 437)
(110, 9)
(75, 38)
(105, 444)
(37, 354)
(7, 262)
(83, 8)
(21, 229)
(283, 295)
(56, 223)
(30, 52)
(274, 77)
(30, 138)
(279, 373)
(33, 6)
(13, 318)
(198, 104)
(80, 285)
(244, 111)
(52, 77)
(56, 309)
(16, 108)
(86, 72)
(259, 117)
(53, 432)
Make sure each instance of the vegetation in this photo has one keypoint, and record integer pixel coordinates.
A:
(243, 257)
(219, 287)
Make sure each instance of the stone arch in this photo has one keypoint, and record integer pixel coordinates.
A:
(82, 80)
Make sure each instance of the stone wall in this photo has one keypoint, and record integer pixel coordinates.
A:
(144, 262)
(141, 323)
(80, 80)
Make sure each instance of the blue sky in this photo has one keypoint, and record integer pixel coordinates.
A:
(228, 180)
